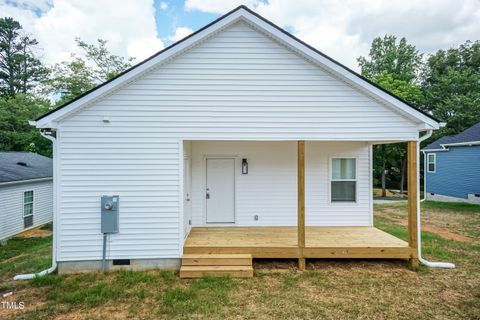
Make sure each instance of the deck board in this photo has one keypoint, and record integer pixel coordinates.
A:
(281, 242)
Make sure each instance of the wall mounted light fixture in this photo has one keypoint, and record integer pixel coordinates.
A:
(244, 166)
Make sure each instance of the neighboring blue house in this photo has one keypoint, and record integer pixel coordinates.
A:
(452, 166)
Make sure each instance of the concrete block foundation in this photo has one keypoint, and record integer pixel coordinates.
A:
(66, 267)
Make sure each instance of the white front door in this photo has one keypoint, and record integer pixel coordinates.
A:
(187, 202)
(220, 190)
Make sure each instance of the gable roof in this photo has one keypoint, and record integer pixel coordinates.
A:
(242, 12)
(20, 166)
(469, 136)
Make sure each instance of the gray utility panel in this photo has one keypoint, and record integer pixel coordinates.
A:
(109, 210)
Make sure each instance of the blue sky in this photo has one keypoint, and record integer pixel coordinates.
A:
(175, 16)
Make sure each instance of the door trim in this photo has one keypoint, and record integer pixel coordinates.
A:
(204, 190)
(189, 182)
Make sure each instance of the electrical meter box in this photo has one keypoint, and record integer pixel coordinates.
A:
(109, 213)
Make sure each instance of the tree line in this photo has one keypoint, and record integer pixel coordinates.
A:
(445, 84)
(29, 88)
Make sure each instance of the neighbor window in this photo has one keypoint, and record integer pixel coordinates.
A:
(27, 209)
(27, 203)
(431, 163)
(343, 187)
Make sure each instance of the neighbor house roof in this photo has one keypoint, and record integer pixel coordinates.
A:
(427, 121)
(20, 166)
(469, 136)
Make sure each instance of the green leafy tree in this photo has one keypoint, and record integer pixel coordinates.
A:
(393, 66)
(79, 74)
(400, 60)
(20, 70)
(451, 84)
(15, 132)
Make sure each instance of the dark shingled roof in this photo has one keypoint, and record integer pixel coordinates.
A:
(18, 166)
(469, 135)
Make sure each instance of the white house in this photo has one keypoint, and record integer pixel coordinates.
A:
(228, 142)
(26, 192)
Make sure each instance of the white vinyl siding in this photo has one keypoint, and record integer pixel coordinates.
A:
(241, 84)
(269, 190)
(12, 206)
(237, 85)
(143, 172)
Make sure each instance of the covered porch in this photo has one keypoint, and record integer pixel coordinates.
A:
(284, 207)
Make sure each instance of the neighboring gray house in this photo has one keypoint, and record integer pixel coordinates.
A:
(26, 192)
(452, 166)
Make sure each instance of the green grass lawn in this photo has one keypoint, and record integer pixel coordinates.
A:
(337, 289)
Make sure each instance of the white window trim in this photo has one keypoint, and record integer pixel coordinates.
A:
(330, 171)
(434, 162)
(33, 203)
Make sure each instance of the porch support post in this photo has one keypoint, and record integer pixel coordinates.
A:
(301, 201)
(412, 200)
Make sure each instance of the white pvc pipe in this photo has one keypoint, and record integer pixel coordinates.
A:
(430, 264)
(54, 246)
(424, 175)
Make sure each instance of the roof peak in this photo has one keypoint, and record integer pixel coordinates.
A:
(287, 39)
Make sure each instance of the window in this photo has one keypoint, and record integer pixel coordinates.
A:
(343, 185)
(27, 209)
(431, 162)
(27, 203)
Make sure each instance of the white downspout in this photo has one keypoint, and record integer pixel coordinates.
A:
(419, 234)
(54, 245)
(424, 175)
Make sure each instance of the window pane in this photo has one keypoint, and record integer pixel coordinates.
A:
(431, 158)
(343, 191)
(28, 196)
(343, 169)
(431, 167)
(28, 209)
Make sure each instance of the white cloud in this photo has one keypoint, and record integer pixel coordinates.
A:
(218, 6)
(180, 33)
(163, 5)
(344, 30)
(130, 28)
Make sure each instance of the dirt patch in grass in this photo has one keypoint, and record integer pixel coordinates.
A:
(437, 230)
(35, 233)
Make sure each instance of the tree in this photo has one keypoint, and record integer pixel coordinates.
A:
(78, 75)
(20, 70)
(15, 132)
(394, 67)
(401, 60)
(451, 85)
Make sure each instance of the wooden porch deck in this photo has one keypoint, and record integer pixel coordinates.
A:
(281, 242)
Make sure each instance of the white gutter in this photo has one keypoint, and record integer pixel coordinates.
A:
(25, 181)
(419, 233)
(54, 246)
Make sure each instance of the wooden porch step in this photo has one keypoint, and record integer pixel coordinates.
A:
(216, 271)
(217, 260)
